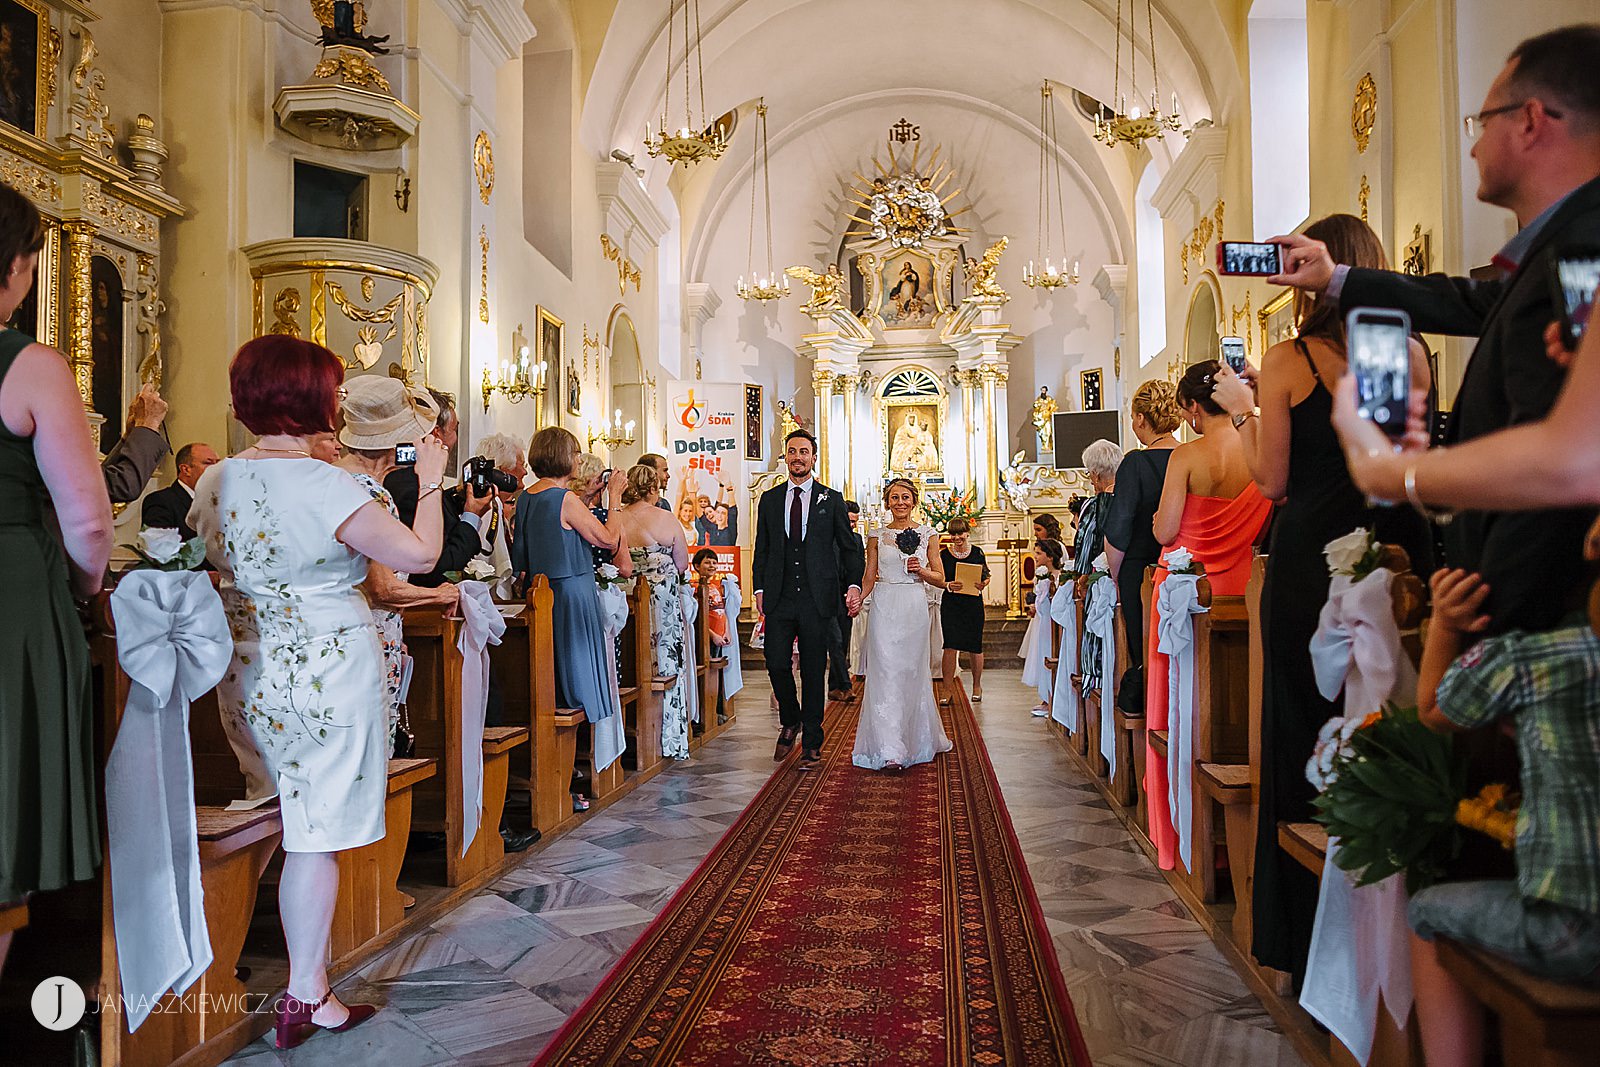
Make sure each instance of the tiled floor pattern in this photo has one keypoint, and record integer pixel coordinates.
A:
(491, 982)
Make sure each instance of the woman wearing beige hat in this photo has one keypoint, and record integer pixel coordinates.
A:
(379, 414)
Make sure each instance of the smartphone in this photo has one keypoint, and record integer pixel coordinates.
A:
(1233, 353)
(1575, 274)
(1379, 344)
(1244, 257)
(405, 455)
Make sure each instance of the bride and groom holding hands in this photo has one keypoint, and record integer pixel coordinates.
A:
(809, 566)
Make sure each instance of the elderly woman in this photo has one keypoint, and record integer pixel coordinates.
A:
(380, 413)
(506, 453)
(48, 826)
(304, 703)
(1130, 540)
(664, 556)
(554, 536)
(589, 476)
(1100, 461)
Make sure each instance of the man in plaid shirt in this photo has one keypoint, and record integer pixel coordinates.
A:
(1548, 920)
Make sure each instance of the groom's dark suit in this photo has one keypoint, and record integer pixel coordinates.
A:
(802, 575)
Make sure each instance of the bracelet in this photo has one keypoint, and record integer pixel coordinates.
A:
(1239, 420)
(432, 487)
(1441, 516)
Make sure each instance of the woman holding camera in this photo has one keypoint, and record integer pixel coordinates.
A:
(1295, 458)
(554, 532)
(303, 702)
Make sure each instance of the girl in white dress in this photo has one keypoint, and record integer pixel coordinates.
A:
(1047, 557)
(900, 724)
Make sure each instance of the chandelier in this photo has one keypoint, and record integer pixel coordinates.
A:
(1043, 271)
(1136, 125)
(517, 378)
(694, 140)
(617, 435)
(772, 285)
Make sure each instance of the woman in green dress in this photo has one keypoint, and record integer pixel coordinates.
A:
(55, 542)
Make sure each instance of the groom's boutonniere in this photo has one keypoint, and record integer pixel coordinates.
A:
(822, 495)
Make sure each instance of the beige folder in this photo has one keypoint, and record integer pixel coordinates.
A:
(970, 575)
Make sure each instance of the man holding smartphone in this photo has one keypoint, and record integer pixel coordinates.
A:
(1537, 145)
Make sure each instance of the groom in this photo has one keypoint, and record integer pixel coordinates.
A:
(805, 554)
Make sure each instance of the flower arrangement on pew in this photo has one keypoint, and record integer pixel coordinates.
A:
(1354, 556)
(941, 508)
(1392, 792)
(164, 549)
(1180, 561)
(607, 576)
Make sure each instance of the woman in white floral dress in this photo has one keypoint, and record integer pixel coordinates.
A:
(303, 701)
(380, 413)
(660, 555)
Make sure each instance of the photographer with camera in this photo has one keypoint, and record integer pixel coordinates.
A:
(501, 465)
(464, 506)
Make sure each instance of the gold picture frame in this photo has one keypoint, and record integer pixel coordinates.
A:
(1091, 389)
(1276, 320)
(29, 50)
(551, 334)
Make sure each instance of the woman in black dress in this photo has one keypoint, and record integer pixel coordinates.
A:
(1296, 459)
(1131, 543)
(1101, 461)
(961, 609)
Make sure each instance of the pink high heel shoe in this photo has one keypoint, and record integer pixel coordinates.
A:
(294, 1023)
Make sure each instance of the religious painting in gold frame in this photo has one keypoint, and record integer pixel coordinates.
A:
(912, 410)
(28, 54)
(1276, 320)
(908, 282)
(552, 333)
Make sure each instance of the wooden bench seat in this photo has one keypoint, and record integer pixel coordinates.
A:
(1306, 843)
(1127, 778)
(370, 902)
(1158, 742)
(1543, 1023)
(13, 916)
(642, 722)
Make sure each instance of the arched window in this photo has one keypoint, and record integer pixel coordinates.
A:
(1152, 269)
(1280, 108)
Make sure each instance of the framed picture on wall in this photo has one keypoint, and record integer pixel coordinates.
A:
(552, 353)
(1276, 320)
(752, 421)
(24, 26)
(1090, 386)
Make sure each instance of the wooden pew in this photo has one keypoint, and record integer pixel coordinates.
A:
(1089, 735)
(712, 659)
(370, 903)
(1125, 779)
(435, 713)
(1222, 737)
(524, 666)
(638, 674)
(13, 916)
(1547, 1023)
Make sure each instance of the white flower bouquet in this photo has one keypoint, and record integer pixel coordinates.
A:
(164, 549)
(1353, 556)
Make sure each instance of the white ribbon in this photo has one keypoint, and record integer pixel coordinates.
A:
(688, 677)
(1357, 646)
(1066, 706)
(482, 625)
(1100, 619)
(173, 643)
(1178, 600)
(1036, 647)
(1359, 943)
(733, 673)
(608, 733)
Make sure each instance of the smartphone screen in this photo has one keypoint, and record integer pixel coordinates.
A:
(405, 455)
(1577, 274)
(1244, 257)
(1380, 359)
(1233, 353)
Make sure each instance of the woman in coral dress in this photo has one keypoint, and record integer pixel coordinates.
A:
(1210, 506)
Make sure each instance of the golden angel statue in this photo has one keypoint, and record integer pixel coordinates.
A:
(1044, 410)
(788, 421)
(345, 22)
(980, 273)
(826, 288)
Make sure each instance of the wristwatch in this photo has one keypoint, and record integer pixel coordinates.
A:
(1238, 420)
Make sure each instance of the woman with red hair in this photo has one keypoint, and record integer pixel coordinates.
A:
(303, 702)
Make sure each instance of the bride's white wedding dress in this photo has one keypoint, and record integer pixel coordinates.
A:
(899, 716)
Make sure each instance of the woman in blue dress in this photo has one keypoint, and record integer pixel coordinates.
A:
(554, 535)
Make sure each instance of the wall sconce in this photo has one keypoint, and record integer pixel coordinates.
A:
(618, 435)
(402, 189)
(518, 378)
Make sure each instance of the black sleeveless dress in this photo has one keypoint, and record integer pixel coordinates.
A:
(1322, 504)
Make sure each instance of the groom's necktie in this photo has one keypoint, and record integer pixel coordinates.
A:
(796, 519)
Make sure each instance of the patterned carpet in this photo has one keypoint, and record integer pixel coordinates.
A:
(848, 917)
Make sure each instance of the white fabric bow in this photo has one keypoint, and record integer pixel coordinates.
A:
(173, 643)
(1179, 600)
(733, 673)
(609, 732)
(689, 676)
(1357, 646)
(482, 625)
(1066, 707)
(1100, 619)
(1358, 943)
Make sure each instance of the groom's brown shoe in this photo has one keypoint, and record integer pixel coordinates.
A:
(809, 758)
(786, 740)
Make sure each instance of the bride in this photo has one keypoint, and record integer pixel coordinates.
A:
(899, 718)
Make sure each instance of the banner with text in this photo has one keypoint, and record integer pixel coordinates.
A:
(704, 442)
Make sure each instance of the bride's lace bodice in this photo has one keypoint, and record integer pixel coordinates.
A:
(892, 561)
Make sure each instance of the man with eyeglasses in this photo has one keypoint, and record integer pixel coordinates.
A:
(1537, 146)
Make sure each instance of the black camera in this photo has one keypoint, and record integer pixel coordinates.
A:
(483, 476)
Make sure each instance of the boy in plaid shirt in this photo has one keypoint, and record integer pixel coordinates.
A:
(1547, 921)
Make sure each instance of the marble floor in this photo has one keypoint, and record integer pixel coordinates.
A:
(491, 982)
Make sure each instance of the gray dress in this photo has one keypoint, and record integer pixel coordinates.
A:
(543, 546)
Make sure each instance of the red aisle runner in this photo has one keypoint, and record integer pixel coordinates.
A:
(848, 917)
